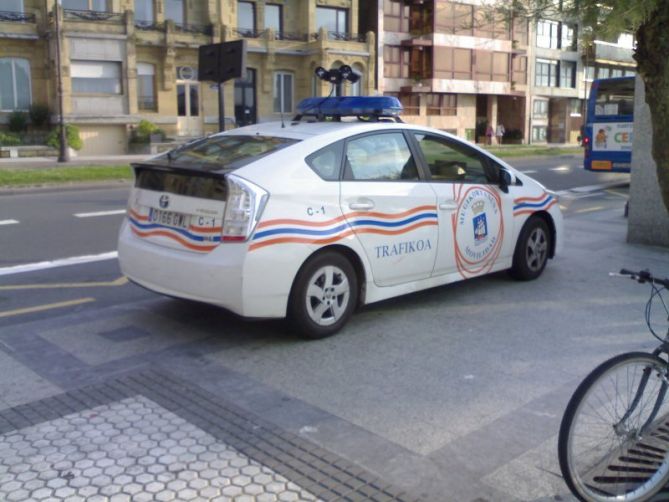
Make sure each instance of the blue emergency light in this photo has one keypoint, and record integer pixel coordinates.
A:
(371, 107)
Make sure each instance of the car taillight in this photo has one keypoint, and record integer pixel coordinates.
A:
(244, 205)
(586, 141)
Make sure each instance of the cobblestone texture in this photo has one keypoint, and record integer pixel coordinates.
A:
(131, 450)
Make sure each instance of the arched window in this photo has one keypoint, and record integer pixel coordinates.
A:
(15, 88)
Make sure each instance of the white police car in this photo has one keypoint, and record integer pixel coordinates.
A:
(309, 219)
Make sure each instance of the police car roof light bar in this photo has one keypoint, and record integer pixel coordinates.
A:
(370, 108)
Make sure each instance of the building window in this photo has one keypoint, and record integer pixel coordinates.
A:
(589, 73)
(246, 17)
(410, 104)
(547, 34)
(568, 74)
(455, 18)
(395, 62)
(283, 92)
(616, 72)
(492, 66)
(603, 72)
(575, 107)
(540, 110)
(146, 86)
(14, 84)
(174, 10)
(94, 5)
(442, 104)
(629, 73)
(546, 73)
(333, 20)
(453, 63)
(96, 77)
(144, 11)
(274, 17)
(13, 5)
(568, 37)
(396, 16)
(519, 70)
(539, 134)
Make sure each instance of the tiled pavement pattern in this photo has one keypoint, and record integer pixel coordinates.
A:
(149, 436)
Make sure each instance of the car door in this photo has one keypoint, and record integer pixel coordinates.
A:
(390, 209)
(472, 209)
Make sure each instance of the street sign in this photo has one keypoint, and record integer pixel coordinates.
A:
(222, 62)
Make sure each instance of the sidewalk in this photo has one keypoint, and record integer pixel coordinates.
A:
(455, 393)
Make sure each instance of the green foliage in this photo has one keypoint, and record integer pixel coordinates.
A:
(23, 177)
(18, 121)
(39, 115)
(72, 135)
(144, 131)
(9, 139)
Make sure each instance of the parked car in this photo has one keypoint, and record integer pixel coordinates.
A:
(310, 219)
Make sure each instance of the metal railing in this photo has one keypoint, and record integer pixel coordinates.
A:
(202, 29)
(149, 25)
(92, 15)
(292, 36)
(247, 32)
(339, 35)
(16, 17)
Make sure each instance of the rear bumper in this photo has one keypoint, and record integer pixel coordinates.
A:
(217, 277)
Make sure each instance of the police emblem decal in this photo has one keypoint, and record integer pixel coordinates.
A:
(164, 201)
(480, 221)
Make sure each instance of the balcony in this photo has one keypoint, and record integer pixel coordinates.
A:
(247, 32)
(603, 51)
(93, 15)
(149, 26)
(16, 17)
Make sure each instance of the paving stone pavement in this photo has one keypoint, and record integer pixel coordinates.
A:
(149, 436)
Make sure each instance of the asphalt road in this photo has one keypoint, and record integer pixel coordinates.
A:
(452, 394)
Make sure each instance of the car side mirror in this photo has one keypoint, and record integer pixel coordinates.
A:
(506, 179)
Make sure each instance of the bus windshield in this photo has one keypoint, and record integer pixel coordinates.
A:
(608, 130)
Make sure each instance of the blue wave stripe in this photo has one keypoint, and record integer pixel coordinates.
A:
(185, 233)
(533, 205)
(341, 228)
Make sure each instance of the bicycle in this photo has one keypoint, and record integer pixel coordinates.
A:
(614, 436)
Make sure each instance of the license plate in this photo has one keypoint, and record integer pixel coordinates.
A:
(169, 218)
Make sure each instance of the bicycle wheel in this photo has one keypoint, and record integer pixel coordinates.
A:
(614, 434)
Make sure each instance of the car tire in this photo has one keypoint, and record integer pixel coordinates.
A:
(532, 249)
(324, 296)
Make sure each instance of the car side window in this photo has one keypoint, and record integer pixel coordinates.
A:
(379, 157)
(449, 161)
(326, 162)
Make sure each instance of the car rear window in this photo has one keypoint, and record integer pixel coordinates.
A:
(223, 152)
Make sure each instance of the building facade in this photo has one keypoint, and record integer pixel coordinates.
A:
(127, 60)
(458, 67)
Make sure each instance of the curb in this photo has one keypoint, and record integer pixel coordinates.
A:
(64, 187)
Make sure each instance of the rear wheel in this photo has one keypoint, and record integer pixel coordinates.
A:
(324, 295)
(614, 435)
(532, 248)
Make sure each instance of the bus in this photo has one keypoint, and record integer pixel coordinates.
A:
(607, 135)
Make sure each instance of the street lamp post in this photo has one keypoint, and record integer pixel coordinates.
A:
(62, 150)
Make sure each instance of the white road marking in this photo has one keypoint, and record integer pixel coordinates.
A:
(63, 262)
(99, 213)
(561, 168)
(9, 222)
(529, 171)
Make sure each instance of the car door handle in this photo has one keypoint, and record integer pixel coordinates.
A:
(361, 206)
(448, 206)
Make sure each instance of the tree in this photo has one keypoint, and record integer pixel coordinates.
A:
(648, 21)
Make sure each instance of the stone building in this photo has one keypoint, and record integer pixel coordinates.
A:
(127, 60)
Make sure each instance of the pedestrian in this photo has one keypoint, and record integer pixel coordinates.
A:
(489, 134)
(499, 132)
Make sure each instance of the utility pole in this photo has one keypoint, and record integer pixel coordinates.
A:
(62, 150)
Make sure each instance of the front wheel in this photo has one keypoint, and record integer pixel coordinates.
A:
(324, 295)
(532, 248)
(614, 435)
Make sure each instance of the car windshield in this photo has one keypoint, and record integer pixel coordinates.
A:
(224, 152)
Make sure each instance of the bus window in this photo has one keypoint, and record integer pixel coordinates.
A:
(615, 97)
